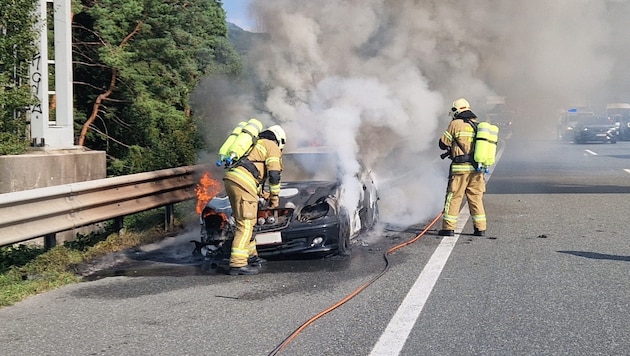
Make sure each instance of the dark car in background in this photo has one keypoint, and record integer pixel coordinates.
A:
(594, 128)
(503, 120)
(567, 123)
(311, 220)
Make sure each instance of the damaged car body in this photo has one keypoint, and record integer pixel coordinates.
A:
(310, 221)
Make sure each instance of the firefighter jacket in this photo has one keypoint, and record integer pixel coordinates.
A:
(262, 162)
(459, 139)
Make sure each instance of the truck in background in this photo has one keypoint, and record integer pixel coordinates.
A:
(619, 114)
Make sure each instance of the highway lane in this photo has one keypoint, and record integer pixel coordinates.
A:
(550, 278)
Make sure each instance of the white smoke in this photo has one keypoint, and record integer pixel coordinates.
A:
(375, 78)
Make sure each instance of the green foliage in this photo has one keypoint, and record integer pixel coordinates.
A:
(16, 51)
(157, 52)
(17, 256)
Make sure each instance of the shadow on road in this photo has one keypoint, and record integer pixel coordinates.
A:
(597, 256)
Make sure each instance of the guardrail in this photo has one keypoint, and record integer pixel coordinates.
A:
(34, 213)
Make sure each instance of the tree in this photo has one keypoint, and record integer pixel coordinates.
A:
(17, 35)
(136, 63)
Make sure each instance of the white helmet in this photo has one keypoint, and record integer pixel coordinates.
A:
(459, 106)
(281, 137)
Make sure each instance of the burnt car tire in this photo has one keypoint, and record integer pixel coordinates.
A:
(343, 248)
(369, 218)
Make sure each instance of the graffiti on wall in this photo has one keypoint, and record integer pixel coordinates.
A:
(37, 86)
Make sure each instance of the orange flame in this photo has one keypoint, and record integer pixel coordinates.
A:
(206, 190)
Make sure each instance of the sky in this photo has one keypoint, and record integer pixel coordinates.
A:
(237, 13)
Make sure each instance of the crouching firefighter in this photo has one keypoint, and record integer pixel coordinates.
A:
(243, 184)
(464, 179)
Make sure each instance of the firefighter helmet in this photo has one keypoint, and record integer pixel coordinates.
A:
(281, 137)
(459, 106)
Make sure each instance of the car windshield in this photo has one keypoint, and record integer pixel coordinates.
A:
(595, 120)
(319, 166)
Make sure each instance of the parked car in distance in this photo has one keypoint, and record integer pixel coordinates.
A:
(311, 219)
(594, 128)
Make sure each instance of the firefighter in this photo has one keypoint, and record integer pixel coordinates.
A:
(243, 185)
(464, 178)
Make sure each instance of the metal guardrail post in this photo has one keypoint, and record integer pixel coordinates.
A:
(50, 241)
(169, 217)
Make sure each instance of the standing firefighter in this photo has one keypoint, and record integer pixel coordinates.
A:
(464, 177)
(243, 184)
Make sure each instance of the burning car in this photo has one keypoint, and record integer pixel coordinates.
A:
(312, 218)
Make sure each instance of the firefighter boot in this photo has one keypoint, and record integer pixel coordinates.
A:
(245, 270)
(446, 233)
(256, 261)
(479, 232)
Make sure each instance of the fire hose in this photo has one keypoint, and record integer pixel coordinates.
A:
(297, 331)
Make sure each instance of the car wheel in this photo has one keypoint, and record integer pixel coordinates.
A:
(344, 233)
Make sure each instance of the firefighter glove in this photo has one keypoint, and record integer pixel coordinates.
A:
(274, 201)
(265, 195)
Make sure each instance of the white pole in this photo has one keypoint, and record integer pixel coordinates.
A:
(60, 132)
(39, 78)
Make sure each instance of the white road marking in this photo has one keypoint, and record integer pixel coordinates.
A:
(591, 152)
(627, 170)
(395, 335)
(397, 331)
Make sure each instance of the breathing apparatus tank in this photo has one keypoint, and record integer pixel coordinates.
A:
(224, 154)
(240, 143)
(486, 145)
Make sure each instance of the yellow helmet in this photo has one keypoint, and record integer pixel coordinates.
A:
(281, 137)
(459, 106)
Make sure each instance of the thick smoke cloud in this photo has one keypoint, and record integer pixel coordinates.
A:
(375, 78)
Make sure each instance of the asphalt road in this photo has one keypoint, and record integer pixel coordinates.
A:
(550, 278)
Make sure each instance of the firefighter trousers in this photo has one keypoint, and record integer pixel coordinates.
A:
(244, 210)
(472, 185)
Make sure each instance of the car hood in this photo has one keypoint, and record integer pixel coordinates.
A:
(596, 127)
(301, 194)
(292, 194)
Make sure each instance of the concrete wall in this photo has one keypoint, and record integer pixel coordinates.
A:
(42, 167)
(45, 167)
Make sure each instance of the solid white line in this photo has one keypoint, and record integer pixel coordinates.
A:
(395, 335)
(627, 170)
(590, 152)
(397, 331)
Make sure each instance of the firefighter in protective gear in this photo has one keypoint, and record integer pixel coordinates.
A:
(464, 178)
(243, 184)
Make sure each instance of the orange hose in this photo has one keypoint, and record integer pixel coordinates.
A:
(355, 292)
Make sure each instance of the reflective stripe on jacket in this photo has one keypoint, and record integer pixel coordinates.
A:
(465, 135)
(266, 156)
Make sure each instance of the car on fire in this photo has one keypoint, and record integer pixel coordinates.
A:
(312, 220)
